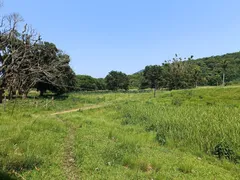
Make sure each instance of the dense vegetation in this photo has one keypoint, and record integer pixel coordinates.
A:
(111, 132)
(187, 73)
(88, 83)
(184, 134)
(27, 62)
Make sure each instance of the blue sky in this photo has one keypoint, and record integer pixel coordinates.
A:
(127, 35)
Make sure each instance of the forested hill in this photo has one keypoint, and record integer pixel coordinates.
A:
(208, 70)
(177, 73)
(212, 68)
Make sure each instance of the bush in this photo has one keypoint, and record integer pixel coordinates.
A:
(161, 139)
(223, 150)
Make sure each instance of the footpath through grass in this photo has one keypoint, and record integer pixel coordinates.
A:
(189, 134)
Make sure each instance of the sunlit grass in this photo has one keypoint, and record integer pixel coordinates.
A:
(187, 134)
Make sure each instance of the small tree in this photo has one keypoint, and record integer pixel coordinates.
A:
(117, 80)
(153, 76)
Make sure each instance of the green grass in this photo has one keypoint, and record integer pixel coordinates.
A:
(187, 134)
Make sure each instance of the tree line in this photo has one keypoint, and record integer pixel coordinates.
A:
(27, 62)
(177, 73)
(180, 73)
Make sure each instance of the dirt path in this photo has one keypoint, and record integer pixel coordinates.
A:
(69, 159)
(79, 109)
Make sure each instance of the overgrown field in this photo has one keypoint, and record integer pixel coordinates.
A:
(187, 134)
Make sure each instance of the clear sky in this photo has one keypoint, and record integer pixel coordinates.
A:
(127, 35)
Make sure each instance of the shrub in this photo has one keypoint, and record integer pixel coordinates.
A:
(177, 102)
(223, 150)
(161, 139)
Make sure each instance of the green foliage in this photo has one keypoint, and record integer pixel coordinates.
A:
(135, 80)
(185, 73)
(186, 167)
(33, 141)
(27, 62)
(161, 138)
(223, 150)
(193, 124)
(153, 76)
(58, 81)
(88, 83)
(214, 67)
(117, 80)
(179, 74)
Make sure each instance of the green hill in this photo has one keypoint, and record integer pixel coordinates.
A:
(211, 70)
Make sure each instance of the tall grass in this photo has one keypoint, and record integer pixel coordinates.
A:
(136, 137)
(213, 129)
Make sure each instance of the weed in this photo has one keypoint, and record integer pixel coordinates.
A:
(144, 166)
(156, 165)
(185, 167)
(161, 138)
(223, 150)
(113, 155)
(177, 102)
(130, 162)
(151, 127)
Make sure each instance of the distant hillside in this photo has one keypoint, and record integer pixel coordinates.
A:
(139, 71)
(211, 70)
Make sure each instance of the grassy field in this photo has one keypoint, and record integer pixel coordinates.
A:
(187, 134)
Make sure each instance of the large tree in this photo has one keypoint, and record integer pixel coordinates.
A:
(56, 74)
(153, 75)
(117, 80)
(178, 73)
(27, 62)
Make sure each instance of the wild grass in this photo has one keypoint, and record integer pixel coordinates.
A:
(185, 120)
(189, 134)
(106, 149)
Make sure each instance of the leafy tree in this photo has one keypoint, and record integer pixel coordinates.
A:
(153, 75)
(26, 62)
(117, 80)
(196, 74)
(101, 84)
(135, 80)
(178, 73)
(60, 78)
(86, 83)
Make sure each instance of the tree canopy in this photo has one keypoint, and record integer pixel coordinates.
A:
(27, 62)
(116, 80)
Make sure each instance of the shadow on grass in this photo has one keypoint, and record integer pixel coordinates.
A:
(6, 176)
(47, 96)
